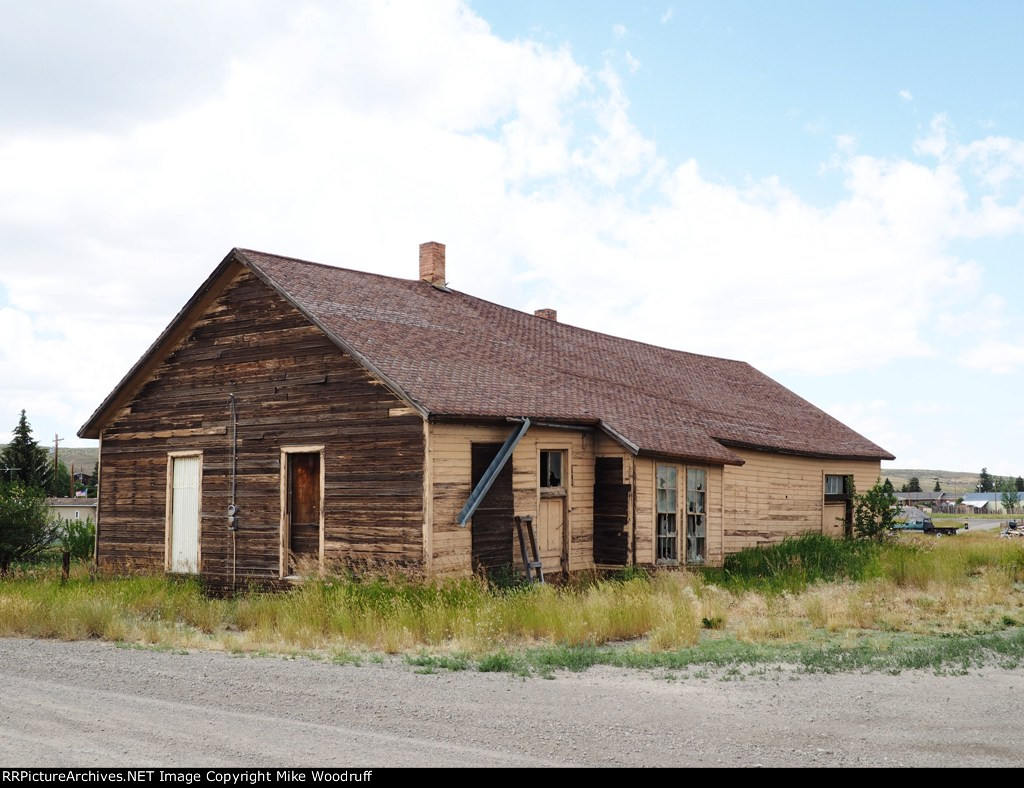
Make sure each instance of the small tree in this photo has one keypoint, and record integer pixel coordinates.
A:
(985, 481)
(888, 485)
(938, 487)
(26, 527)
(875, 513)
(914, 485)
(24, 460)
(1009, 497)
(1019, 484)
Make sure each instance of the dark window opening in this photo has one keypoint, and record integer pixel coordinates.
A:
(551, 469)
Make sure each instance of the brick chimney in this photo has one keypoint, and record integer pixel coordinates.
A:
(432, 263)
(547, 314)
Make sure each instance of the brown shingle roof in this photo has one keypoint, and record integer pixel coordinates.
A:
(455, 355)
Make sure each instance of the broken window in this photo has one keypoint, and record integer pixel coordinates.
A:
(833, 485)
(696, 515)
(551, 468)
(667, 510)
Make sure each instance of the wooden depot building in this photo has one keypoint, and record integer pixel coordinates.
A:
(296, 415)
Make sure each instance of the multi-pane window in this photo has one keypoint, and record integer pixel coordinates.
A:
(667, 512)
(551, 468)
(696, 515)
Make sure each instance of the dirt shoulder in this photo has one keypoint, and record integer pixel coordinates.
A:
(93, 704)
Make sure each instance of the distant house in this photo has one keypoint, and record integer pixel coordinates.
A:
(73, 508)
(336, 416)
(930, 500)
(989, 502)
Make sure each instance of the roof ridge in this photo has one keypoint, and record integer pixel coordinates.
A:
(549, 324)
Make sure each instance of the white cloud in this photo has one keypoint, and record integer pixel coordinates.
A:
(937, 141)
(619, 30)
(631, 62)
(358, 130)
(667, 15)
(997, 357)
(906, 95)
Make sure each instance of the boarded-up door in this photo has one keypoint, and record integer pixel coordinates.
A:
(183, 540)
(492, 520)
(611, 513)
(303, 509)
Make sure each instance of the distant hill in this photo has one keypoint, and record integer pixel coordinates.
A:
(958, 482)
(84, 458)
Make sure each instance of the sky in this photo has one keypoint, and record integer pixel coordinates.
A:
(829, 191)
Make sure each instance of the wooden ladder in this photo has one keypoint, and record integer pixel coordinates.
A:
(534, 567)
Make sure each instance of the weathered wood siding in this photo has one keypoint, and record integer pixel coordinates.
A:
(774, 496)
(450, 460)
(293, 387)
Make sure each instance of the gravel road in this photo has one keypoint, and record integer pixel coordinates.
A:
(92, 704)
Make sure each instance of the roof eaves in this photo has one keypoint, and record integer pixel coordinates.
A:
(359, 358)
(619, 438)
(881, 455)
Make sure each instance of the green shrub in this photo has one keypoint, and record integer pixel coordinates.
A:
(77, 537)
(26, 528)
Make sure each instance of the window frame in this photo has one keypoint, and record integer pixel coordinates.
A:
(658, 513)
(844, 496)
(559, 489)
(691, 494)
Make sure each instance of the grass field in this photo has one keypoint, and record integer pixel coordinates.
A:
(813, 602)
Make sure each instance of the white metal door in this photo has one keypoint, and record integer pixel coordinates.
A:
(184, 542)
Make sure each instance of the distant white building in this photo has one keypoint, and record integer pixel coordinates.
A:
(73, 508)
(990, 502)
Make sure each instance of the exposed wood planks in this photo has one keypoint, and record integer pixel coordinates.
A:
(451, 461)
(611, 512)
(293, 387)
(492, 524)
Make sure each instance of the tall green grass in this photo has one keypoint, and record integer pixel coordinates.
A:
(796, 563)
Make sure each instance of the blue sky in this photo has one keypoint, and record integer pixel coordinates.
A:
(831, 191)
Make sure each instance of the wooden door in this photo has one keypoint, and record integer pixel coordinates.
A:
(303, 510)
(551, 532)
(183, 540)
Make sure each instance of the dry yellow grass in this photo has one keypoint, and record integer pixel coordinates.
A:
(965, 585)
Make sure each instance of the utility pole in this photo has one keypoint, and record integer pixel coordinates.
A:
(56, 444)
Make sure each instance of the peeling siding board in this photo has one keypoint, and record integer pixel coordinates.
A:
(774, 496)
(293, 387)
(451, 464)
